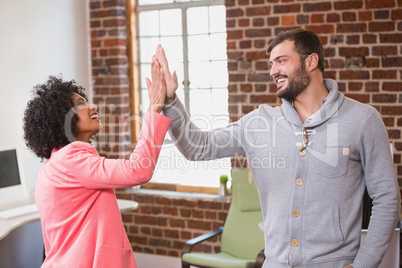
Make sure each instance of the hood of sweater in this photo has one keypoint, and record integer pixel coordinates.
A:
(328, 109)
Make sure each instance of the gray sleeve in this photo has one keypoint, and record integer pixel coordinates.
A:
(382, 187)
(196, 144)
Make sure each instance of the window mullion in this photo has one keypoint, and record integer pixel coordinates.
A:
(186, 81)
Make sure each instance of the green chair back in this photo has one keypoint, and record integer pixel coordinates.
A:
(241, 235)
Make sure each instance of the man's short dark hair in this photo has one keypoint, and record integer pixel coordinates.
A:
(306, 42)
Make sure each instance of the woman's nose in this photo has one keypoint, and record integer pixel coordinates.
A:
(93, 107)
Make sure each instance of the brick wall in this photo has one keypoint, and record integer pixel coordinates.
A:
(362, 41)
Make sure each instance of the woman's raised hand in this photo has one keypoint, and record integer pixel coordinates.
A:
(170, 78)
(156, 87)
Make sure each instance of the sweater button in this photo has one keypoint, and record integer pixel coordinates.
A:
(299, 182)
(294, 242)
(296, 213)
(302, 153)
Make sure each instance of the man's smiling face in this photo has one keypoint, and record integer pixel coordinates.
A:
(288, 71)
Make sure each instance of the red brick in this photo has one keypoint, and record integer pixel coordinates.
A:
(235, 12)
(372, 62)
(384, 74)
(244, 22)
(352, 75)
(385, 98)
(347, 5)
(391, 61)
(209, 205)
(376, 4)
(265, 32)
(256, 55)
(288, 20)
(333, 17)
(317, 18)
(234, 34)
(258, 77)
(258, 11)
(396, 14)
(317, 7)
(260, 99)
(246, 88)
(292, 8)
(353, 52)
(385, 50)
(392, 86)
(200, 225)
(390, 38)
(365, 15)
(391, 110)
(385, 26)
(349, 16)
(272, 21)
(353, 39)
(355, 86)
(113, 23)
(369, 38)
(258, 22)
(237, 77)
(114, 42)
(364, 98)
(321, 29)
(351, 28)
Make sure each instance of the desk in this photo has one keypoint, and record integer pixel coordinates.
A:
(7, 225)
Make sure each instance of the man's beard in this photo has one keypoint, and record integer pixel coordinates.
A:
(298, 82)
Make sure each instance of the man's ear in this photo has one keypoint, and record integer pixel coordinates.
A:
(312, 61)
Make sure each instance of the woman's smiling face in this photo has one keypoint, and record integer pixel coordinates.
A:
(88, 118)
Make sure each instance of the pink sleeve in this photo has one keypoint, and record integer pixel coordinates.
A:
(94, 171)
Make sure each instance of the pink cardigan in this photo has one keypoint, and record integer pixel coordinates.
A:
(81, 222)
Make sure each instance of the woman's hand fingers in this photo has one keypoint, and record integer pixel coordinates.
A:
(170, 78)
(156, 87)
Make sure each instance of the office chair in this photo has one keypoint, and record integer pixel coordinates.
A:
(241, 238)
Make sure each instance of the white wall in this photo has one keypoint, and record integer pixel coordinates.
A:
(38, 38)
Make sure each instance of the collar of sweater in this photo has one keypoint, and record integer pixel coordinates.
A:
(329, 108)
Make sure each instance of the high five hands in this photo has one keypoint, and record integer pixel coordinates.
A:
(164, 84)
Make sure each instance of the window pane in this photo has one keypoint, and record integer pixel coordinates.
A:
(147, 48)
(197, 20)
(198, 48)
(220, 102)
(218, 46)
(145, 72)
(172, 167)
(200, 102)
(217, 19)
(149, 25)
(144, 100)
(219, 74)
(171, 22)
(173, 47)
(199, 74)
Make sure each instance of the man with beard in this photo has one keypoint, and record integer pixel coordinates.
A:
(333, 148)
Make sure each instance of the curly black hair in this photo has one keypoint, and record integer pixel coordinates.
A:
(46, 114)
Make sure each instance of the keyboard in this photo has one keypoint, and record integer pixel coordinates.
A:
(18, 211)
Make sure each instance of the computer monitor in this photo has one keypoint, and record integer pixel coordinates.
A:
(12, 183)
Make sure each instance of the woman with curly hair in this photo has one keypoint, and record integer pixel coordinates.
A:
(81, 221)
